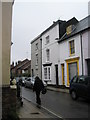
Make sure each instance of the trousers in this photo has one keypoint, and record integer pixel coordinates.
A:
(38, 100)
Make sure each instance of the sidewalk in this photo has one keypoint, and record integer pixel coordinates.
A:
(64, 90)
(30, 110)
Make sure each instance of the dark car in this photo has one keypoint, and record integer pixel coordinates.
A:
(80, 87)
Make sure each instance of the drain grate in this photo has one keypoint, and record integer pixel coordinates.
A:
(35, 113)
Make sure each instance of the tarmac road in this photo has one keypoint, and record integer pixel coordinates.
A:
(60, 103)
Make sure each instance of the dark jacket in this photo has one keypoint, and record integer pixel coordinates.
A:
(38, 85)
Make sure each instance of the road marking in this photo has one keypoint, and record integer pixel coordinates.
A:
(44, 108)
(51, 112)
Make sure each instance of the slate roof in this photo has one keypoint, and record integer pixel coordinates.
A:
(80, 26)
(46, 30)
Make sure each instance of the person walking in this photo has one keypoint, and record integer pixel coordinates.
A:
(38, 86)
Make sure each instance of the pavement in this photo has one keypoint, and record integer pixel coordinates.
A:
(30, 109)
(64, 90)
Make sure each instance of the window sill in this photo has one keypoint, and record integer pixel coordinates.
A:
(72, 55)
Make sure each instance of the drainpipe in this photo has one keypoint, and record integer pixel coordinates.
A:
(81, 52)
(41, 56)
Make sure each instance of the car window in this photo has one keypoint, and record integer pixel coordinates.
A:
(81, 80)
(28, 79)
(88, 80)
(74, 79)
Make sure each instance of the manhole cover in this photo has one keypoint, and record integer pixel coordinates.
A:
(35, 113)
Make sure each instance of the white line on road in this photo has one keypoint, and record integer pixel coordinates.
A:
(45, 109)
(51, 112)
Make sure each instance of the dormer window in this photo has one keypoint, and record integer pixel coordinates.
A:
(47, 39)
(69, 29)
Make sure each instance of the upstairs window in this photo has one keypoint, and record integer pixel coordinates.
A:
(72, 47)
(48, 55)
(47, 40)
(36, 46)
(36, 59)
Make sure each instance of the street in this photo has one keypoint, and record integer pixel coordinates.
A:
(60, 103)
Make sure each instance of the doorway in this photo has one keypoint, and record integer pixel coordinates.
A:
(56, 69)
(63, 81)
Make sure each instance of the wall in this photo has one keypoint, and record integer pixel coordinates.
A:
(53, 46)
(33, 58)
(65, 55)
(0, 43)
(89, 44)
(6, 41)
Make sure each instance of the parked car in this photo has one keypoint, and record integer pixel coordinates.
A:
(22, 80)
(29, 82)
(80, 87)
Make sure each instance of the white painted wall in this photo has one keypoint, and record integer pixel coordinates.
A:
(53, 46)
(64, 54)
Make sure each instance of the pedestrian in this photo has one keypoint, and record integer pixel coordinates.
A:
(38, 86)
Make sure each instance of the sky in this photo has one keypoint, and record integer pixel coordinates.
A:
(30, 18)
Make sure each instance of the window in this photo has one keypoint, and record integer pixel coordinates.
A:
(47, 39)
(36, 59)
(74, 79)
(81, 80)
(23, 71)
(48, 55)
(47, 73)
(36, 46)
(72, 47)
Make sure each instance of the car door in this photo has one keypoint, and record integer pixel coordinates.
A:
(82, 88)
(88, 79)
(28, 82)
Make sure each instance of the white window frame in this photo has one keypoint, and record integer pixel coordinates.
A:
(47, 75)
(36, 59)
(23, 71)
(47, 55)
(36, 46)
(47, 39)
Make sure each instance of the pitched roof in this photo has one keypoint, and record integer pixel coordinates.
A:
(80, 26)
(20, 64)
(50, 27)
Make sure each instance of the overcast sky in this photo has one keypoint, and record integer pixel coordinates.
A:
(29, 19)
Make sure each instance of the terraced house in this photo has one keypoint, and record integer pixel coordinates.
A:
(65, 51)
(74, 50)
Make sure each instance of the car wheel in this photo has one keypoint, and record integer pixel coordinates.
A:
(73, 95)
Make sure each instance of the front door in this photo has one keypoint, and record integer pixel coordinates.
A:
(63, 81)
(88, 66)
(72, 70)
(56, 67)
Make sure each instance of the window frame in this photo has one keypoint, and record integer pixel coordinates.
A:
(36, 59)
(47, 55)
(72, 47)
(48, 73)
(47, 39)
(36, 47)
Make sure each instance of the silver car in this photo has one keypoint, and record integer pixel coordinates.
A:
(29, 82)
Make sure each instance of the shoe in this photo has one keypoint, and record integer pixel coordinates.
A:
(39, 106)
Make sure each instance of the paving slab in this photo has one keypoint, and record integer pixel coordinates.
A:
(30, 110)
